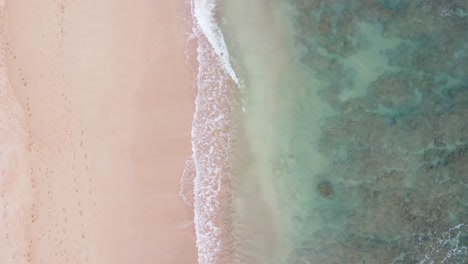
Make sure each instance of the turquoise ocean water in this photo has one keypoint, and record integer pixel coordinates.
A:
(356, 116)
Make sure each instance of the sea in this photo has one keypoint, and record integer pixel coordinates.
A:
(329, 131)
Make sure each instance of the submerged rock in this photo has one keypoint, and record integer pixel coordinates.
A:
(325, 189)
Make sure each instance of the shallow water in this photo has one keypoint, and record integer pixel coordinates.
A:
(363, 129)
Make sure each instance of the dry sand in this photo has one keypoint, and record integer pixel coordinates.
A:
(104, 110)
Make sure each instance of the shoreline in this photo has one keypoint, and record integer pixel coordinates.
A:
(212, 134)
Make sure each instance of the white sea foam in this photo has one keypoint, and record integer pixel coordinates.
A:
(205, 24)
(210, 130)
(186, 182)
(444, 244)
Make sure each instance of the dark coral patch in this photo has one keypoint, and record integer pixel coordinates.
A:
(325, 189)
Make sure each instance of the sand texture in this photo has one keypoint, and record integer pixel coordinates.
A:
(95, 118)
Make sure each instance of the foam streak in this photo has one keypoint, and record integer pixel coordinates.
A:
(211, 130)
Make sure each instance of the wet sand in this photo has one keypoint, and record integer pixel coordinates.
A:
(105, 112)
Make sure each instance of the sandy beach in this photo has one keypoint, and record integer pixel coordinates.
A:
(102, 130)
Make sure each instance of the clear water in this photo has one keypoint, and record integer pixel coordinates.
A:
(363, 124)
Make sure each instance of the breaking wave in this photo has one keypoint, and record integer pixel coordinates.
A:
(202, 180)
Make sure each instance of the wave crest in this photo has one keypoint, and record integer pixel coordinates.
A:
(211, 132)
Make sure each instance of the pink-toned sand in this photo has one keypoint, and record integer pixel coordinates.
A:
(104, 114)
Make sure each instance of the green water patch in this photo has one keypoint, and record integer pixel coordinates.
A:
(369, 62)
(371, 148)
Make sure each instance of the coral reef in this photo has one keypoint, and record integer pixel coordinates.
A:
(398, 152)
